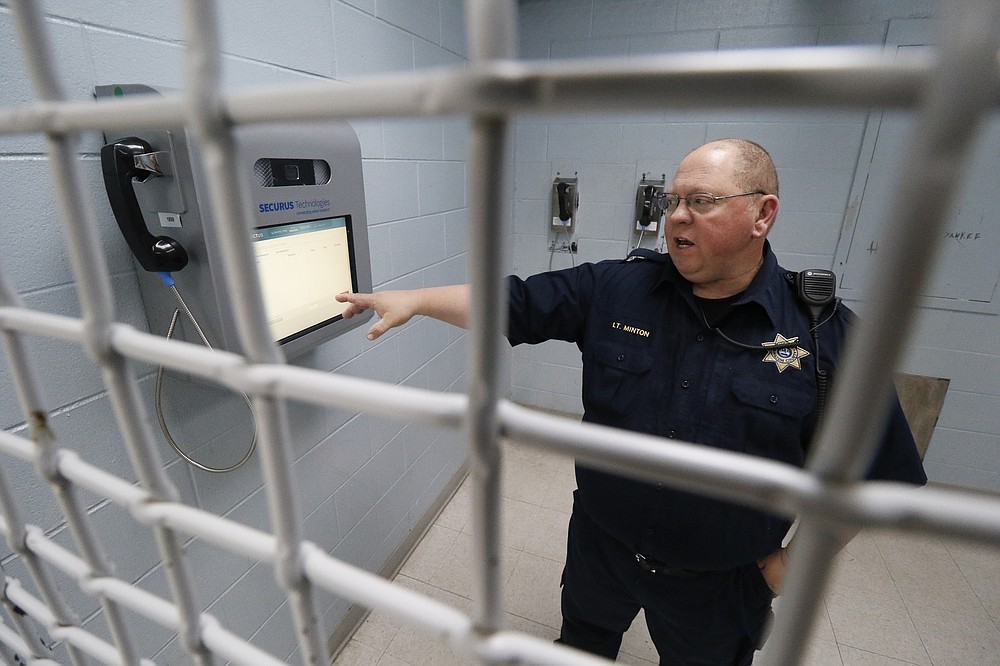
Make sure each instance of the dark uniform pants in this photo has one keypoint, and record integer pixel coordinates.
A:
(716, 618)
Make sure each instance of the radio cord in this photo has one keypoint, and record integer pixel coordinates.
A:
(158, 393)
(814, 331)
(822, 376)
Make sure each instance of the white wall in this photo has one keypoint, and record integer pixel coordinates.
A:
(362, 483)
(816, 153)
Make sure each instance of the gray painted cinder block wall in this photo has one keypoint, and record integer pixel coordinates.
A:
(816, 153)
(362, 483)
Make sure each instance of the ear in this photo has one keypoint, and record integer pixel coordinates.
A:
(767, 210)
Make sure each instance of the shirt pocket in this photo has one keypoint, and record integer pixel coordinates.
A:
(768, 418)
(620, 379)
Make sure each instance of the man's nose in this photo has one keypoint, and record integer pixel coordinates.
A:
(681, 213)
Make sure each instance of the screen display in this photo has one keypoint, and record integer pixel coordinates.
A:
(302, 267)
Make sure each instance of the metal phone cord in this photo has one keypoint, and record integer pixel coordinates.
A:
(158, 395)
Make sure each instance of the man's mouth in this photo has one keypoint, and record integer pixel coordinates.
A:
(682, 242)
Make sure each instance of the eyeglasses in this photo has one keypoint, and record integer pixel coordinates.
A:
(699, 202)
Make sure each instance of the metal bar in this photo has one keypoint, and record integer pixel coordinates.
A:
(96, 302)
(939, 146)
(11, 639)
(97, 308)
(491, 30)
(211, 125)
(231, 647)
(835, 77)
(227, 368)
(71, 634)
(374, 592)
(15, 530)
(764, 483)
(507, 647)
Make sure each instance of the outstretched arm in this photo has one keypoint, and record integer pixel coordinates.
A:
(449, 304)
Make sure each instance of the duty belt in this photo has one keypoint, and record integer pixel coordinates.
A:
(652, 567)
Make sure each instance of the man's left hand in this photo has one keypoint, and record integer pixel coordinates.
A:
(772, 568)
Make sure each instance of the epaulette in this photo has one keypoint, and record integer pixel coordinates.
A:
(645, 254)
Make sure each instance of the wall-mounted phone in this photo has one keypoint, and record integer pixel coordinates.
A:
(304, 194)
(648, 216)
(127, 163)
(564, 206)
(648, 206)
(305, 218)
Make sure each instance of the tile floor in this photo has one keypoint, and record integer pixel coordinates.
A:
(895, 600)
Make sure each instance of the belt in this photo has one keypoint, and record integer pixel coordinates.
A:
(652, 567)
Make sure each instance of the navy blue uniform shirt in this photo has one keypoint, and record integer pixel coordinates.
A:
(651, 365)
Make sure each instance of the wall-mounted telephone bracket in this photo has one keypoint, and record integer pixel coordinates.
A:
(565, 202)
(648, 209)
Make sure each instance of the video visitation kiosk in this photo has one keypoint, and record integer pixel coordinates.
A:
(306, 221)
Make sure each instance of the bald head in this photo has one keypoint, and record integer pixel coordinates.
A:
(753, 168)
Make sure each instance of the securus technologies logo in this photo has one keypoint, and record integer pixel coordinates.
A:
(274, 206)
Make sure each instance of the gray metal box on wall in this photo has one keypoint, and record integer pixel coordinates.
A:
(967, 272)
(304, 196)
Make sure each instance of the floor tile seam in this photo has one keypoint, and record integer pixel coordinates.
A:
(531, 619)
(833, 629)
(374, 648)
(415, 575)
(879, 654)
(909, 601)
(972, 587)
(426, 536)
(839, 642)
(906, 607)
(503, 585)
(909, 616)
(986, 616)
(840, 655)
(561, 561)
(963, 560)
(522, 501)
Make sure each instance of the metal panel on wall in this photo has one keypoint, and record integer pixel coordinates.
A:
(967, 271)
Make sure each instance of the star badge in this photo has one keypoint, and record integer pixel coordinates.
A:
(785, 357)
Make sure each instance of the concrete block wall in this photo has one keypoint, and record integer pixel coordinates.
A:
(816, 153)
(363, 484)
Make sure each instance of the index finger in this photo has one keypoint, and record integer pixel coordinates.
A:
(363, 300)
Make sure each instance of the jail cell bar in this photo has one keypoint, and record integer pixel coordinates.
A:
(951, 93)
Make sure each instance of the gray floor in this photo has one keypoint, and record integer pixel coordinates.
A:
(895, 599)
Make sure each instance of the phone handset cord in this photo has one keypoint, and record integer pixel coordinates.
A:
(158, 395)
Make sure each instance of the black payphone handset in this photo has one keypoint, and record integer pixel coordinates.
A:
(649, 207)
(564, 195)
(156, 254)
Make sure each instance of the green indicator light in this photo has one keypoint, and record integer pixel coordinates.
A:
(119, 92)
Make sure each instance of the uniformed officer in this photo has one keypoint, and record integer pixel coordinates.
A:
(706, 344)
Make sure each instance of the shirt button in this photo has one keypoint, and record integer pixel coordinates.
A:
(685, 384)
(621, 357)
(701, 337)
(671, 434)
(649, 532)
(773, 400)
